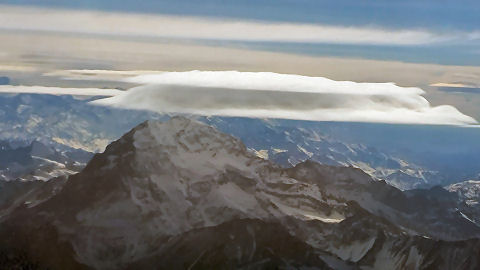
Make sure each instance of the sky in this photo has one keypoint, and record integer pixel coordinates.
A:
(442, 32)
(433, 46)
(431, 14)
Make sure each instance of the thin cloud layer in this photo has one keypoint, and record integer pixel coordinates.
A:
(458, 87)
(141, 25)
(272, 95)
(22, 89)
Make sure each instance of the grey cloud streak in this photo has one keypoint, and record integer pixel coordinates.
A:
(188, 27)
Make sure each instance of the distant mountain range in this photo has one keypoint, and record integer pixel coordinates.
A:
(37, 161)
(72, 122)
(65, 120)
(182, 195)
(289, 145)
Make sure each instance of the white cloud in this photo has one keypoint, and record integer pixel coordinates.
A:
(135, 25)
(22, 89)
(272, 95)
(16, 68)
(455, 85)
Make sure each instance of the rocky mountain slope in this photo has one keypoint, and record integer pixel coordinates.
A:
(467, 190)
(288, 145)
(38, 161)
(468, 196)
(182, 195)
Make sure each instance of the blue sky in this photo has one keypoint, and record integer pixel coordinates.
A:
(440, 17)
(62, 37)
(433, 14)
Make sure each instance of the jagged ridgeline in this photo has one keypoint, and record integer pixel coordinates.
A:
(182, 195)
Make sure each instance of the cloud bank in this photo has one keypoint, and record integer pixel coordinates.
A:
(273, 95)
(141, 25)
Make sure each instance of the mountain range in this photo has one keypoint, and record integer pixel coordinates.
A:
(182, 195)
(37, 161)
(67, 122)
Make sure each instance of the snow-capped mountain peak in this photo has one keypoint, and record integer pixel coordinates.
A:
(184, 142)
(467, 190)
(166, 178)
(180, 184)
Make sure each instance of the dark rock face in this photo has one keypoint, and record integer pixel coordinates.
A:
(181, 195)
(12, 259)
(245, 243)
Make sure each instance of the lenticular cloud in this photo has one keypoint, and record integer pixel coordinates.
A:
(272, 95)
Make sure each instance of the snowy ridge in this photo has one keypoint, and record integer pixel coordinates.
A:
(181, 188)
(289, 145)
(468, 190)
(37, 161)
(209, 175)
